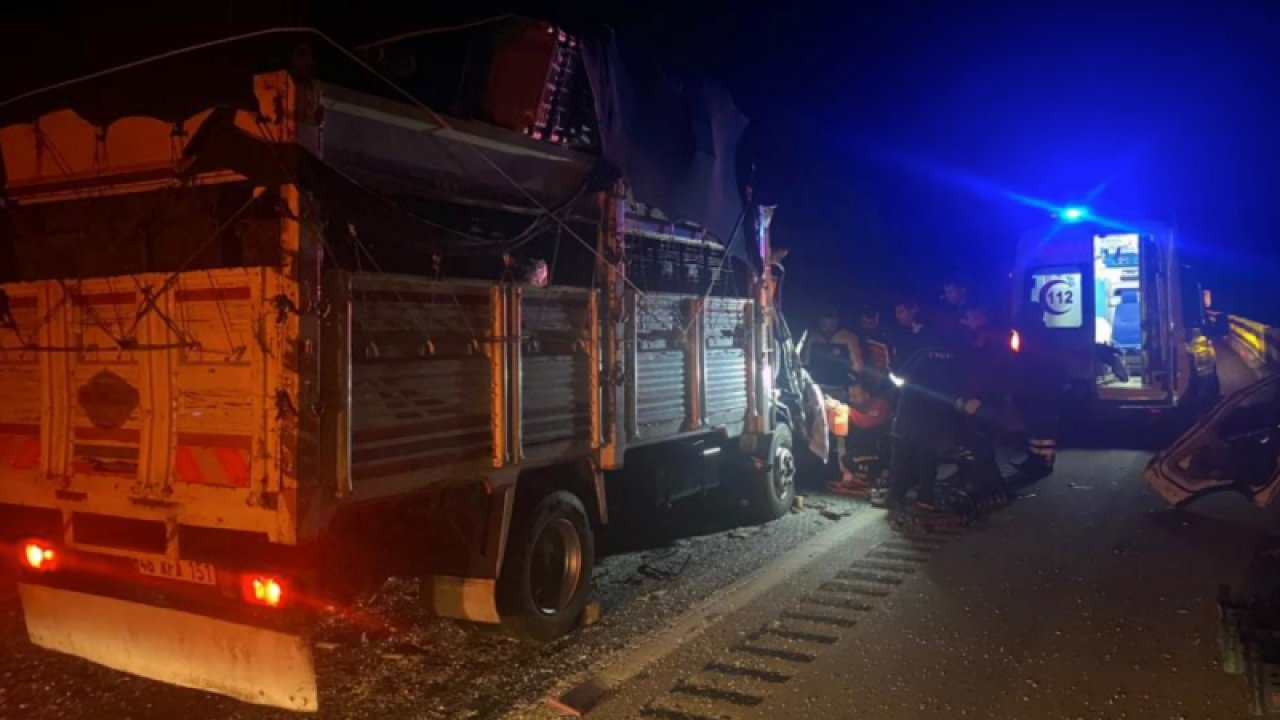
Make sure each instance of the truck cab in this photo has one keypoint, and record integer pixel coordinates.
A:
(1118, 313)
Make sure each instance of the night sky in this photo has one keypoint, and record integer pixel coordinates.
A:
(892, 133)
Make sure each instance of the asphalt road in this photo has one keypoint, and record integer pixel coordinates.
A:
(1085, 599)
(1088, 598)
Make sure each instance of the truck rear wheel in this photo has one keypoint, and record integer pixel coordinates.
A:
(546, 573)
(773, 488)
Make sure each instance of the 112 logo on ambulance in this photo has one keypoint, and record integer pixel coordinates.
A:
(1060, 298)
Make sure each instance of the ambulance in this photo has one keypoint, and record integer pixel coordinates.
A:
(1119, 313)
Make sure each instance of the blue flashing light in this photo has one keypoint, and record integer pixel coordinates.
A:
(1074, 214)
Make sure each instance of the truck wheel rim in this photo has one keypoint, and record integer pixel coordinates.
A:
(784, 474)
(556, 567)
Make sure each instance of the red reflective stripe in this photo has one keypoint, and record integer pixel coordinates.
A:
(117, 298)
(28, 455)
(220, 466)
(184, 462)
(234, 466)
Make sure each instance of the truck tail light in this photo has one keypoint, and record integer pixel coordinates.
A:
(265, 590)
(38, 556)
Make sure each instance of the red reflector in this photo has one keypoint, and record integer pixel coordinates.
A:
(38, 556)
(1015, 341)
(265, 590)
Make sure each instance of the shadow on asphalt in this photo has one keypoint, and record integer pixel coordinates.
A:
(634, 531)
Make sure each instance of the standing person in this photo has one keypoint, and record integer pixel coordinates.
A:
(869, 321)
(1039, 380)
(982, 334)
(831, 353)
(908, 335)
(955, 295)
(930, 405)
(875, 348)
(986, 362)
(955, 302)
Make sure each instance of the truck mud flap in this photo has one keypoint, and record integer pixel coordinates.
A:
(253, 664)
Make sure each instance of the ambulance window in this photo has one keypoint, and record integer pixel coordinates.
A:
(1059, 297)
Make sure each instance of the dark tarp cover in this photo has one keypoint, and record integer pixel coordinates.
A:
(220, 145)
(676, 144)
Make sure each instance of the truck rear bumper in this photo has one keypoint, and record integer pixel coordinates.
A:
(249, 663)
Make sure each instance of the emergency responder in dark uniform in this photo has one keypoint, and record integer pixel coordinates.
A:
(986, 363)
(950, 314)
(908, 334)
(1039, 383)
(931, 404)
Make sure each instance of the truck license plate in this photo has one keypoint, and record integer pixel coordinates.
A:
(183, 570)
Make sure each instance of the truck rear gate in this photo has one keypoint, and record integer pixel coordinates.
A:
(149, 397)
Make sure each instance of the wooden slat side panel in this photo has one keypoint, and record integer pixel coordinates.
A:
(421, 379)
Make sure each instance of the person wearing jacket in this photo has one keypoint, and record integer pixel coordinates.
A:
(908, 334)
(932, 401)
(985, 366)
(1038, 379)
(866, 420)
(831, 352)
(955, 302)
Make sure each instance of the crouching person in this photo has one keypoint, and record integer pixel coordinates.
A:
(862, 449)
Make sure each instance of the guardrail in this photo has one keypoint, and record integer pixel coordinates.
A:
(1253, 340)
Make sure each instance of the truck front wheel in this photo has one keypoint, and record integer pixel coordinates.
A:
(773, 488)
(546, 573)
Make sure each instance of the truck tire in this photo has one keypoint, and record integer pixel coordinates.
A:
(546, 572)
(773, 489)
